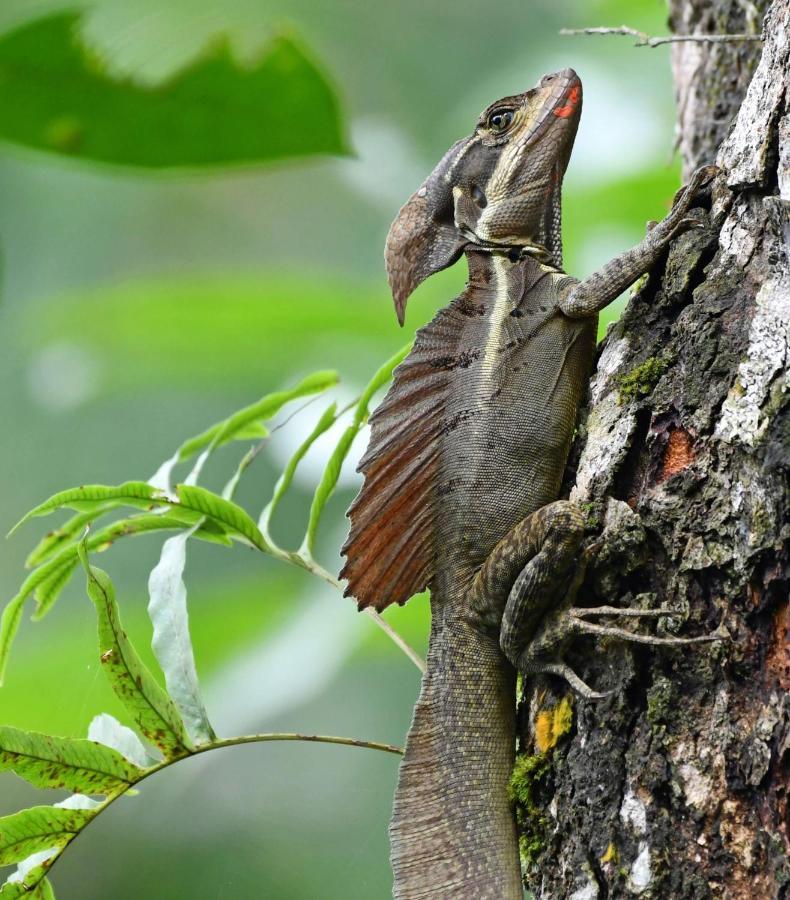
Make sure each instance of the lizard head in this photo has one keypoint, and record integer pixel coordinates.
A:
(497, 189)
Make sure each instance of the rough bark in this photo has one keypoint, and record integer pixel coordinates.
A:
(675, 786)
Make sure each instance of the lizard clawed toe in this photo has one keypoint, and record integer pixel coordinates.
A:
(563, 670)
(581, 612)
(582, 626)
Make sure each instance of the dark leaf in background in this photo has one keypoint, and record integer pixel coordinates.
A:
(56, 96)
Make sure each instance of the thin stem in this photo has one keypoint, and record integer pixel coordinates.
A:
(315, 568)
(287, 736)
(646, 40)
(218, 744)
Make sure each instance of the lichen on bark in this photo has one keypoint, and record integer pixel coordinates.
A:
(675, 785)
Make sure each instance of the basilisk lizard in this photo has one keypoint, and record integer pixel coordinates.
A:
(463, 472)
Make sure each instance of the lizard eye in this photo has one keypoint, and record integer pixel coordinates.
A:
(500, 119)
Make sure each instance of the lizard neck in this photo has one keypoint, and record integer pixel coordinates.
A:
(453, 832)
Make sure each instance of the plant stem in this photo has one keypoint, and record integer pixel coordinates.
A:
(218, 744)
(646, 40)
(315, 568)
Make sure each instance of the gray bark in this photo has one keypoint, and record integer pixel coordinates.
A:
(676, 785)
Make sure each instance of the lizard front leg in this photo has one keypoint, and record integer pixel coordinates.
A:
(527, 587)
(590, 296)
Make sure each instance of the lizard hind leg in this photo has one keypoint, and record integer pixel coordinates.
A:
(539, 619)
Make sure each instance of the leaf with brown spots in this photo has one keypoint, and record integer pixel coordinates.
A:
(133, 683)
(39, 828)
(82, 766)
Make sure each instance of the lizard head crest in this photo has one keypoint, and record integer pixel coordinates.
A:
(499, 188)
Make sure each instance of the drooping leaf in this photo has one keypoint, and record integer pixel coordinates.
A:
(9, 625)
(57, 97)
(48, 580)
(39, 828)
(172, 644)
(54, 762)
(229, 515)
(106, 729)
(69, 532)
(133, 683)
(331, 473)
(49, 590)
(236, 426)
(326, 421)
(92, 497)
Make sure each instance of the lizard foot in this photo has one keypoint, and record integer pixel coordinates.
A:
(699, 179)
(542, 655)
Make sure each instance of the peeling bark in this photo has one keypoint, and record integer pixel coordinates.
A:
(676, 785)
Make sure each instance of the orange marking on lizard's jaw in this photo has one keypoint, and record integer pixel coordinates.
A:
(572, 99)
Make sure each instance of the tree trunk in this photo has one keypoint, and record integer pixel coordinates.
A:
(676, 785)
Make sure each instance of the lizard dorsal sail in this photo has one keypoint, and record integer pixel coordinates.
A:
(391, 552)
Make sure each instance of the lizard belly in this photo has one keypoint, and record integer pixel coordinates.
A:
(513, 413)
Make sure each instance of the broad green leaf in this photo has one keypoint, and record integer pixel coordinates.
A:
(92, 497)
(106, 729)
(331, 473)
(226, 513)
(39, 828)
(237, 426)
(242, 329)
(57, 97)
(55, 762)
(172, 644)
(134, 685)
(326, 421)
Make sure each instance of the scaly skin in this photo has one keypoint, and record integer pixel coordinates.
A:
(464, 470)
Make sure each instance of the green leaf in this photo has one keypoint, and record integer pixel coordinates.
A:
(50, 588)
(49, 579)
(9, 625)
(92, 497)
(331, 473)
(67, 533)
(236, 427)
(34, 885)
(57, 97)
(167, 609)
(82, 766)
(43, 890)
(228, 514)
(29, 880)
(134, 685)
(326, 421)
(39, 828)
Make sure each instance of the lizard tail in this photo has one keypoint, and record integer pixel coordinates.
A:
(453, 832)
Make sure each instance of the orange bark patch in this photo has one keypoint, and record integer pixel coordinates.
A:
(678, 453)
(777, 660)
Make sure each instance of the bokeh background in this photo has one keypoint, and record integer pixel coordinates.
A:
(140, 307)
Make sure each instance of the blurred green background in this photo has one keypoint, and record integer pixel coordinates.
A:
(139, 307)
